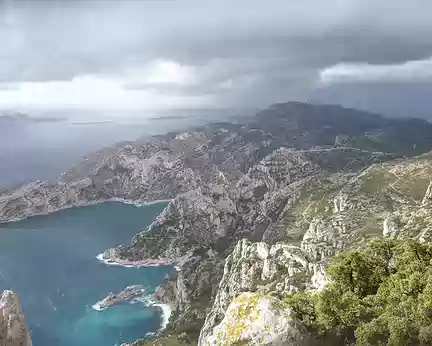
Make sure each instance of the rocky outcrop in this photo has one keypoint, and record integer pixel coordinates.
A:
(428, 195)
(258, 267)
(143, 172)
(13, 326)
(253, 319)
(216, 216)
(385, 199)
(112, 299)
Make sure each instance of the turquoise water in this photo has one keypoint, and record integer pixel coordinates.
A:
(50, 261)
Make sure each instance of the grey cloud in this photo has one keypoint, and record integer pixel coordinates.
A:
(245, 51)
(393, 99)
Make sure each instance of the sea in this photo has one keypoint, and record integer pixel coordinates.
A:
(51, 262)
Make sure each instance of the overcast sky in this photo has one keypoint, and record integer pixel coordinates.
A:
(201, 53)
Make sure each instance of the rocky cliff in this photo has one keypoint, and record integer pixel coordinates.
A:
(256, 208)
(200, 228)
(13, 326)
(390, 199)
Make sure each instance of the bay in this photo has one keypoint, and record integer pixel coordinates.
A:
(50, 261)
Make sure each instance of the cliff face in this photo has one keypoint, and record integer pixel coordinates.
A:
(259, 320)
(265, 270)
(388, 199)
(13, 326)
(200, 228)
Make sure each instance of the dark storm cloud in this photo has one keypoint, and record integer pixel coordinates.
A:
(250, 51)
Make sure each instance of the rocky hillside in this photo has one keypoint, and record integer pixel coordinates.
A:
(391, 199)
(174, 163)
(308, 219)
(256, 208)
(13, 326)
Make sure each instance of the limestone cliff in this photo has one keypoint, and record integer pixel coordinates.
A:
(13, 326)
(257, 267)
(257, 320)
(200, 228)
(329, 215)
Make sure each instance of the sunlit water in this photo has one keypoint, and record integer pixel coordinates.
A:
(50, 261)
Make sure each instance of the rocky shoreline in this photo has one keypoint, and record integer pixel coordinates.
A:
(109, 257)
(80, 204)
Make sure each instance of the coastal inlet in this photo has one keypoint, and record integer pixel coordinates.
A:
(50, 261)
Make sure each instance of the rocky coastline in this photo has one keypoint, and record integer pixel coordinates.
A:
(256, 210)
(111, 257)
(83, 203)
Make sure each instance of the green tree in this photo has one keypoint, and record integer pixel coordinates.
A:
(380, 295)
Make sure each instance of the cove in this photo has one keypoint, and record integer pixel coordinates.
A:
(50, 261)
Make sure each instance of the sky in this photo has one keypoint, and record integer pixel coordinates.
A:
(148, 54)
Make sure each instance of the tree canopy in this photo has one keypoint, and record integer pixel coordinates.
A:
(380, 294)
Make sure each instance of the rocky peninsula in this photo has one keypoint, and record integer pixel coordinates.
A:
(112, 299)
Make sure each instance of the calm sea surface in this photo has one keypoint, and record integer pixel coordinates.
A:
(50, 261)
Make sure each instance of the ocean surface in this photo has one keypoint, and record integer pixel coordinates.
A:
(50, 261)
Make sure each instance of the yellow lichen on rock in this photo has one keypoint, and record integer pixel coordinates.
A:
(253, 319)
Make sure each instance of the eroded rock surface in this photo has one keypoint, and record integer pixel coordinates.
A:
(13, 326)
(253, 319)
(329, 215)
(112, 299)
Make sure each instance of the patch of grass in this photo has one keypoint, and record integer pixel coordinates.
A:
(375, 179)
(364, 142)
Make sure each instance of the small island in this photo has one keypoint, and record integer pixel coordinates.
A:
(112, 299)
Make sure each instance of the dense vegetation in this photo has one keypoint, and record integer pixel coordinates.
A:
(380, 295)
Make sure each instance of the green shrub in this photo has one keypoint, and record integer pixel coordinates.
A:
(379, 295)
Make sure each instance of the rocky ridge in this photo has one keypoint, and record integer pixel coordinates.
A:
(388, 199)
(166, 165)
